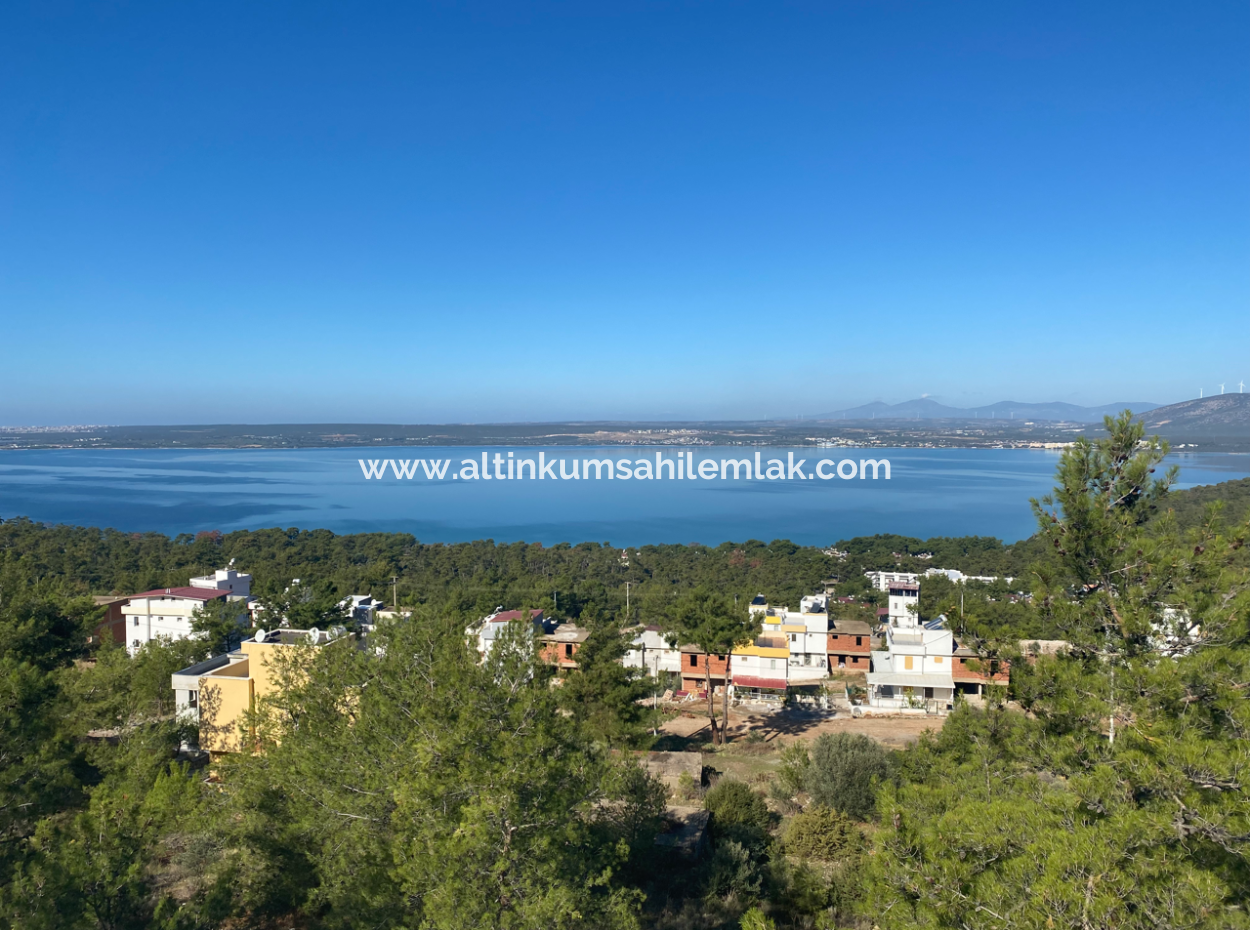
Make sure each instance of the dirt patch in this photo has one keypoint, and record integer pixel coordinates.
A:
(892, 732)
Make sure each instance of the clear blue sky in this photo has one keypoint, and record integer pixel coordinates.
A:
(218, 212)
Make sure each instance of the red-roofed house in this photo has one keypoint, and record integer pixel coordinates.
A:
(167, 613)
(486, 632)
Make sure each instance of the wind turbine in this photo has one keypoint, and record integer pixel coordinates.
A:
(1221, 388)
(1199, 393)
(1241, 387)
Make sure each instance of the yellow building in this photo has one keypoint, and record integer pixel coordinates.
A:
(220, 692)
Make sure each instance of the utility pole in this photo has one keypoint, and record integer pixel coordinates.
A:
(394, 592)
(627, 602)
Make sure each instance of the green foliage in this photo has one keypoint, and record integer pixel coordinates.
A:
(414, 787)
(739, 815)
(713, 622)
(603, 696)
(732, 803)
(634, 805)
(222, 624)
(792, 769)
(458, 795)
(845, 772)
(733, 870)
(822, 833)
(756, 919)
(1119, 801)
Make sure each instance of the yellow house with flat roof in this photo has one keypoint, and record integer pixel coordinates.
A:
(220, 698)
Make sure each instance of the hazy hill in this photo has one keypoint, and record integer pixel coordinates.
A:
(1223, 420)
(927, 409)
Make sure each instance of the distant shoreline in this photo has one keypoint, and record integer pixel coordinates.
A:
(860, 434)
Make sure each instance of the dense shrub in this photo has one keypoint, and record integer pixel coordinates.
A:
(843, 773)
(822, 833)
(732, 803)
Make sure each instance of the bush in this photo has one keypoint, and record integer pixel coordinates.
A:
(843, 769)
(792, 773)
(731, 870)
(733, 803)
(822, 833)
(755, 919)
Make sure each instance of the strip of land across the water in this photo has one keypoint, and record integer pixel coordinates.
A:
(1215, 424)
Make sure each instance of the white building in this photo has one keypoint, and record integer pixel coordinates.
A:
(167, 613)
(806, 637)
(959, 577)
(904, 602)
(362, 608)
(916, 668)
(233, 583)
(650, 651)
(882, 580)
(484, 634)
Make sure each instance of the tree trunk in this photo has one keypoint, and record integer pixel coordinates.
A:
(724, 721)
(711, 706)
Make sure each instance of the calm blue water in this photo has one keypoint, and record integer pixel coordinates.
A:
(932, 492)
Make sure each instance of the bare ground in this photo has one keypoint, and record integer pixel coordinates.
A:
(691, 728)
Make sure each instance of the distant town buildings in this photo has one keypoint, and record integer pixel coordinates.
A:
(959, 577)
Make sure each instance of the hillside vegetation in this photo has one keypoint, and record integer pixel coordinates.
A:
(410, 785)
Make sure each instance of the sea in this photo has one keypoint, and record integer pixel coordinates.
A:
(930, 492)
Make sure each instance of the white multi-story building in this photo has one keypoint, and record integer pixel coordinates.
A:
(167, 613)
(806, 636)
(915, 669)
(904, 602)
(882, 580)
(651, 651)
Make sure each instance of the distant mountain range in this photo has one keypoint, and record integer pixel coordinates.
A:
(1223, 419)
(926, 409)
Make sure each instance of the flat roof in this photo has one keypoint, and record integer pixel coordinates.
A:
(767, 652)
(857, 627)
(203, 668)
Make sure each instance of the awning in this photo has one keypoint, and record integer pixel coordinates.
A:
(759, 684)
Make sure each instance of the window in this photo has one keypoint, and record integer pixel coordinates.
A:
(694, 661)
(136, 621)
(937, 660)
(568, 649)
(928, 692)
(907, 662)
(859, 640)
(135, 644)
(193, 699)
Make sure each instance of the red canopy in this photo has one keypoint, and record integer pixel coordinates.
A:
(767, 684)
